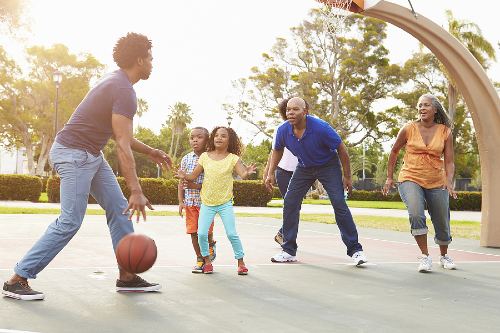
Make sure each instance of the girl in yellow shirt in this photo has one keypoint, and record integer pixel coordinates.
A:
(218, 164)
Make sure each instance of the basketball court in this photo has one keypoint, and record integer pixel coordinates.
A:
(323, 292)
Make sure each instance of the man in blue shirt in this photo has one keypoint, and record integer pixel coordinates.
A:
(318, 148)
(107, 111)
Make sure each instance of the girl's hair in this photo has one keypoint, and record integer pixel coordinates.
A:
(234, 144)
(441, 116)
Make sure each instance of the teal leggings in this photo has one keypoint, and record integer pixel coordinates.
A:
(226, 213)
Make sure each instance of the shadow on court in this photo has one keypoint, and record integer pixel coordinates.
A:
(323, 292)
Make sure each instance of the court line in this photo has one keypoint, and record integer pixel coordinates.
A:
(381, 240)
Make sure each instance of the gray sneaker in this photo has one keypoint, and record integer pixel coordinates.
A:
(137, 285)
(425, 264)
(21, 290)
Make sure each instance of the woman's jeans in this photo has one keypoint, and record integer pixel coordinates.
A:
(81, 174)
(330, 176)
(226, 213)
(437, 199)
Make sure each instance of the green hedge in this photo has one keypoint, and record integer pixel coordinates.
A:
(464, 201)
(161, 191)
(20, 187)
(251, 193)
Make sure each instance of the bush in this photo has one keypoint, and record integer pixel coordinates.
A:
(251, 193)
(276, 192)
(20, 187)
(159, 191)
(359, 195)
(465, 200)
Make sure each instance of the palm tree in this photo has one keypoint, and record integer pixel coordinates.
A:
(470, 35)
(142, 108)
(179, 118)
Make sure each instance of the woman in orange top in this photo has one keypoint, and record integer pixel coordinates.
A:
(425, 178)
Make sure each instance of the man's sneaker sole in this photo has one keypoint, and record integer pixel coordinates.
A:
(37, 297)
(361, 262)
(284, 261)
(425, 270)
(138, 290)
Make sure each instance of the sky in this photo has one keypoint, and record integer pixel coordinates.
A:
(200, 47)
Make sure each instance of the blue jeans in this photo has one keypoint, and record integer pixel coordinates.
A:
(415, 197)
(283, 179)
(226, 213)
(330, 175)
(81, 173)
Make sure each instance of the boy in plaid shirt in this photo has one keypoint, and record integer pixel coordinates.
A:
(189, 195)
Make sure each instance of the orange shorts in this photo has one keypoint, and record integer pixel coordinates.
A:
(192, 214)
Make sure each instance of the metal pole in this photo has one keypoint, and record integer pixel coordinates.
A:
(363, 163)
(56, 127)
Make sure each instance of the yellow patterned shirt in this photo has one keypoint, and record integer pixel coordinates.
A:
(217, 187)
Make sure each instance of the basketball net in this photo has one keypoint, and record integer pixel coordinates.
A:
(335, 13)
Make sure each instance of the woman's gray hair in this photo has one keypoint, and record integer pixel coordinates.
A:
(441, 116)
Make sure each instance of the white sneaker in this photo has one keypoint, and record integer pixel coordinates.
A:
(447, 262)
(283, 257)
(359, 258)
(425, 264)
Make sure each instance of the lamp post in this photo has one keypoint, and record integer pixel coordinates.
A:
(229, 119)
(57, 77)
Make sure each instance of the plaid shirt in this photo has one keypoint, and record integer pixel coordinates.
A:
(191, 196)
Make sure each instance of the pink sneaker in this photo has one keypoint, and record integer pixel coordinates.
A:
(242, 270)
(208, 269)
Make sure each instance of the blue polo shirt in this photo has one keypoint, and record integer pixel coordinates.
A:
(89, 127)
(317, 146)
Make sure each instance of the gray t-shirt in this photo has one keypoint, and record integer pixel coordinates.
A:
(89, 127)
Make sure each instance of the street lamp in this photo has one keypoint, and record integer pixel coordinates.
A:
(57, 78)
(229, 119)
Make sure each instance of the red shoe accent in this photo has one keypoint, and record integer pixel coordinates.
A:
(208, 269)
(242, 270)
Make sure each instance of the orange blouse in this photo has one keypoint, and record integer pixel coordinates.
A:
(423, 164)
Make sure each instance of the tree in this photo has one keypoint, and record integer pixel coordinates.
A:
(341, 77)
(179, 118)
(257, 154)
(142, 108)
(469, 34)
(11, 14)
(27, 102)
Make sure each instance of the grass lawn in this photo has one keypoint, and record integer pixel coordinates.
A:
(350, 203)
(461, 229)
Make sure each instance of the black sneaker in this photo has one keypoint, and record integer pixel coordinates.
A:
(21, 290)
(138, 285)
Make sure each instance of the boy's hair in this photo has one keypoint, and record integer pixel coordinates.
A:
(234, 145)
(205, 131)
(127, 49)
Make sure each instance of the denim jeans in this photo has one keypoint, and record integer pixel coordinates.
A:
(226, 213)
(283, 179)
(437, 199)
(81, 174)
(330, 175)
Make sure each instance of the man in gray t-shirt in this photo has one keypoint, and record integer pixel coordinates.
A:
(107, 111)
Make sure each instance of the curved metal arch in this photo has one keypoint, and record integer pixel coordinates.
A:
(479, 93)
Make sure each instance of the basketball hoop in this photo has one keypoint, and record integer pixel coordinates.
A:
(336, 12)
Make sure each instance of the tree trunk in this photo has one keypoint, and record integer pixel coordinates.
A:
(177, 144)
(452, 102)
(172, 142)
(29, 152)
(44, 155)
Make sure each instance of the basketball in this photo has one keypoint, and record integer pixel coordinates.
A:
(136, 253)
